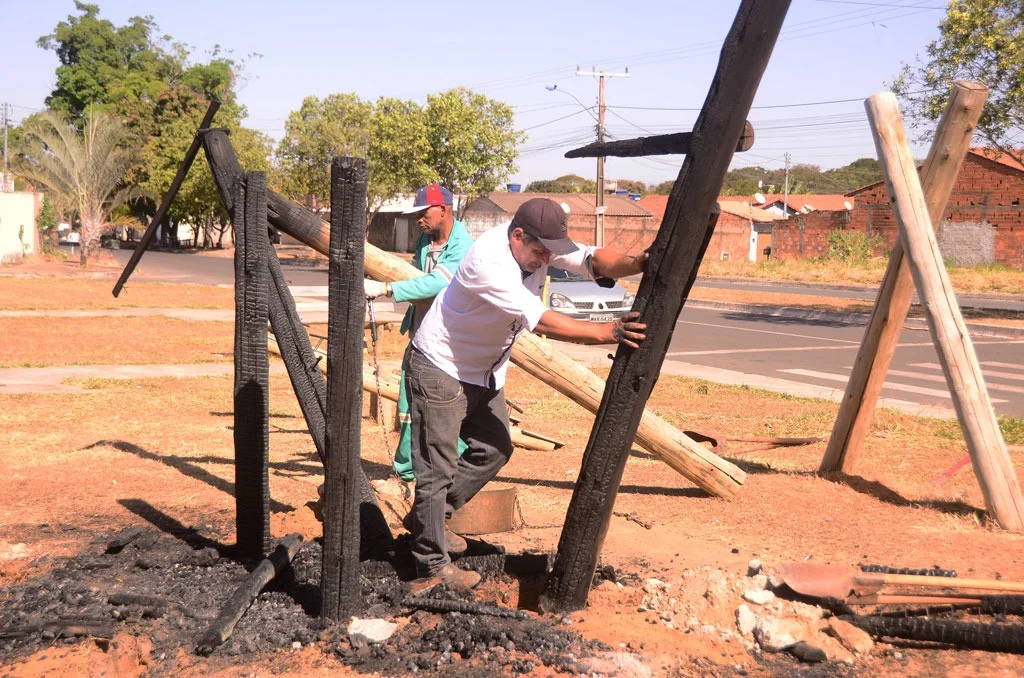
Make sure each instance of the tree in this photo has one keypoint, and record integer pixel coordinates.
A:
(631, 186)
(338, 124)
(46, 222)
(473, 141)
(567, 183)
(150, 84)
(83, 170)
(980, 40)
(398, 152)
(664, 188)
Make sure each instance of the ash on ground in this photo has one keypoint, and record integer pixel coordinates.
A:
(155, 586)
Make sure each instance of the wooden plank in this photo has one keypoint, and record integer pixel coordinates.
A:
(252, 368)
(675, 257)
(536, 356)
(339, 582)
(992, 463)
(659, 144)
(938, 174)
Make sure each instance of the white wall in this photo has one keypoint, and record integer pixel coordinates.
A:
(17, 213)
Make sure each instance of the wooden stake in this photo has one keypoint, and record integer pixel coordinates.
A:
(992, 464)
(536, 356)
(675, 257)
(252, 369)
(339, 584)
(938, 174)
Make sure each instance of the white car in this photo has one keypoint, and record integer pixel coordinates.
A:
(585, 299)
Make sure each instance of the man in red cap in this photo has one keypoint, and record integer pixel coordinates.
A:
(455, 370)
(443, 242)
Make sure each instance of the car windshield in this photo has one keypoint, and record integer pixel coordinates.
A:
(561, 275)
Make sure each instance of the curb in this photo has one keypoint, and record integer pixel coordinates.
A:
(843, 318)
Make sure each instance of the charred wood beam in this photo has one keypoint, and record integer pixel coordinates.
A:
(252, 367)
(970, 635)
(271, 566)
(307, 228)
(165, 204)
(660, 144)
(346, 303)
(675, 257)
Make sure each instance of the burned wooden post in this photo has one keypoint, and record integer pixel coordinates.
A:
(938, 174)
(992, 463)
(675, 257)
(339, 580)
(252, 368)
(226, 170)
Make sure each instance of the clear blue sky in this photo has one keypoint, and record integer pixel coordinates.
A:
(829, 50)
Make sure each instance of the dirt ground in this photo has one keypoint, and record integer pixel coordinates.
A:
(78, 467)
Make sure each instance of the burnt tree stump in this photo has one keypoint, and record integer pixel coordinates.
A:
(252, 368)
(674, 259)
(339, 582)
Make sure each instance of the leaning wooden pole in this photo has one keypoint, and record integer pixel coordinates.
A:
(938, 174)
(992, 463)
(252, 369)
(339, 582)
(675, 257)
(536, 356)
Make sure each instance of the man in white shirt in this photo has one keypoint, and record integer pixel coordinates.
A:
(455, 371)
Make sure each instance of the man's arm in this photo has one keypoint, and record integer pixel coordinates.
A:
(610, 263)
(625, 330)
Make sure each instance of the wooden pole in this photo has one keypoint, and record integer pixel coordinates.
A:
(536, 356)
(252, 369)
(339, 583)
(938, 174)
(992, 464)
(675, 257)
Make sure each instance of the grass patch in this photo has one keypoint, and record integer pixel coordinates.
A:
(1013, 430)
(47, 294)
(92, 383)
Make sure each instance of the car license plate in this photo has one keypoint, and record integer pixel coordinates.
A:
(601, 317)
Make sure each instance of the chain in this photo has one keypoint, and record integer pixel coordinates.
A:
(380, 398)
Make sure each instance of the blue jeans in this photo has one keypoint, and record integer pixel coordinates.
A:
(444, 409)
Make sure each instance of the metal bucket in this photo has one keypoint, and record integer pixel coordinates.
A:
(491, 510)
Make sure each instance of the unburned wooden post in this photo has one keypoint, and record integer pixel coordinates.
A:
(252, 369)
(992, 464)
(675, 257)
(938, 174)
(339, 583)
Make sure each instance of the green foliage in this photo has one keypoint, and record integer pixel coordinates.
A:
(802, 179)
(151, 85)
(631, 185)
(398, 153)
(47, 219)
(567, 183)
(980, 41)
(473, 141)
(664, 188)
(1013, 429)
(84, 171)
(851, 247)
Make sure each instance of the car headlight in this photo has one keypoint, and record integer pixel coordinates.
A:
(627, 299)
(559, 301)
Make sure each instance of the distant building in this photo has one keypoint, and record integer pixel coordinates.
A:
(18, 231)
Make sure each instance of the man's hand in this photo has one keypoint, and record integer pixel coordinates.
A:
(374, 289)
(626, 330)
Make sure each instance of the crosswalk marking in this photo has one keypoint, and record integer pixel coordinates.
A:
(994, 363)
(936, 377)
(890, 385)
(987, 373)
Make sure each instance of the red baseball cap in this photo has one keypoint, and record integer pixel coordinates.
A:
(430, 195)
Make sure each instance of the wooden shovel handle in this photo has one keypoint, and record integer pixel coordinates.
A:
(898, 599)
(943, 582)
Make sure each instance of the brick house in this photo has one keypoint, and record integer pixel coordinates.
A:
(742, 232)
(627, 225)
(983, 222)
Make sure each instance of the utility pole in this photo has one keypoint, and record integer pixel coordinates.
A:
(785, 194)
(599, 197)
(3, 186)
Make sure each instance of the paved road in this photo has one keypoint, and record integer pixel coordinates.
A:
(802, 357)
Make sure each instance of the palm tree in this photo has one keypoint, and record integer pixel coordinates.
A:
(84, 170)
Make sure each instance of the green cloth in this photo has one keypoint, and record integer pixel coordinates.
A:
(414, 289)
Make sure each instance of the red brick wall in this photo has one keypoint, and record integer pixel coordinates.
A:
(985, 192)
(805, 236)
(633, 235)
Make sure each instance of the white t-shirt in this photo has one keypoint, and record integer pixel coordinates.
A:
(470, 328)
